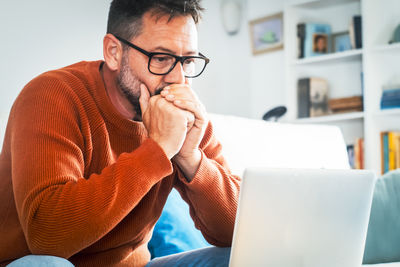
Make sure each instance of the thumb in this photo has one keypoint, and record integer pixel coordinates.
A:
(144, 98)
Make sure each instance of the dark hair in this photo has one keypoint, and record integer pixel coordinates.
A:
(125, 16)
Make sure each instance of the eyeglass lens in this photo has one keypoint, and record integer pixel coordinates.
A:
(162, 64)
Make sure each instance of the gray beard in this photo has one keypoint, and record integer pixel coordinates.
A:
(130, 87)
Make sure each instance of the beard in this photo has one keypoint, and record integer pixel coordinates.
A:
(129, 84)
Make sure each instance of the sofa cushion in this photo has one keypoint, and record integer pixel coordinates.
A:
(175, 231)
(257, 143)
(383, 237)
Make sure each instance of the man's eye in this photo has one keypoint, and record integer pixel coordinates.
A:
(161, 59)
(189, 60)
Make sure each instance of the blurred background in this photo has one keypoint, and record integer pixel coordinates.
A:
(260, 59)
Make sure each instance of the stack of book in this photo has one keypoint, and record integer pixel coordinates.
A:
(346, 104)
(390, 98)
(356, 154)
(390, 148)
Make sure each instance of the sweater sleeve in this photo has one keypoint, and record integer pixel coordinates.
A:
(60, 211)
(213, 193)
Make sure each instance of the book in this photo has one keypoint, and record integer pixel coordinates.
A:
(303, 98)
(318, 97)
(301, 32)
(397, 146)
(359, 153)
(355, 32)
(312, 97)
(391, 151)
(384, 152)
(350, 154)
(360, 156)
(390, 94)
(390, 103)
(314, 39)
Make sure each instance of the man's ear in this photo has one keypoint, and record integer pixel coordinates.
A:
(112, 52)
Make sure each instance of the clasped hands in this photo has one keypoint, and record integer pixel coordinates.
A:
(176, 120)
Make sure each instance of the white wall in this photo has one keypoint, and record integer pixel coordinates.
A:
(267, 77)
(40, 35)
(225, 86)
(249, 85)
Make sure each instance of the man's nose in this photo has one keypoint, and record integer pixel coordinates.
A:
(176, 75)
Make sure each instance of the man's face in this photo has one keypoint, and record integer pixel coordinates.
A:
(321, 44)
(178, 37)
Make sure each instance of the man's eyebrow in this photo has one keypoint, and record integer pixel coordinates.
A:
(166, 50)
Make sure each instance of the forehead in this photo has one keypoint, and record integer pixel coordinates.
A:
(178, 34)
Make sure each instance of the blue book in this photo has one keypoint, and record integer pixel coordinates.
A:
(385, 153)
(390, 99)
(317, 39)
(390, 107)
(391, 94)
(390, 102)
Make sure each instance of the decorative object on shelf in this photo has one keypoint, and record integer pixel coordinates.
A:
(355, 32)
(312, 98)
(341, 42)
(390, 98)
(313, 39)
(275, 113)
(231, 16)
(396, 36)
(350, 154)
(267, 34)
(346, 104)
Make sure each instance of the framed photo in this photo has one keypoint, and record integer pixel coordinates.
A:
(341, 42)
(267, 34)
(320, 43)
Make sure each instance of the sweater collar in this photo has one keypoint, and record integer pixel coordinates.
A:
(107, 108)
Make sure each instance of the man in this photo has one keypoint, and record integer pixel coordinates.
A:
(320, 43)
(92, 150)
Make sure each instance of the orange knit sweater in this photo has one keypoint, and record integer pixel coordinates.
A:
(79, 181)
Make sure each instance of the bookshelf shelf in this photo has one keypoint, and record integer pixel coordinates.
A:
(333, 118)
(316, 4)
(387, 48)
(388, 112)
(346, 55)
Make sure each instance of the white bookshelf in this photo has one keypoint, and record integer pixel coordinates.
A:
(333, 118)
(340, 56)
(377, 60)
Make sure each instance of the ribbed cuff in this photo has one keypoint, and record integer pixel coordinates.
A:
(206, 171)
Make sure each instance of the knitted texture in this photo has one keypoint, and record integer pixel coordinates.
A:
(79, 181)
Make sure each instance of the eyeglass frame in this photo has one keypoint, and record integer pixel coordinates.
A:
(150, 55)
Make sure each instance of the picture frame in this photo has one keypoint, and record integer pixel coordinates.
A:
(341, 42)
(266, 34)
(320, 43)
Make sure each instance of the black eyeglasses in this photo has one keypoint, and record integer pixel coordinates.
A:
(163, 63)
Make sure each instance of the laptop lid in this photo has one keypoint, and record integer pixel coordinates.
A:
(294, 217)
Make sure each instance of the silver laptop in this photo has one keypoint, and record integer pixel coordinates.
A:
(302, 218)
